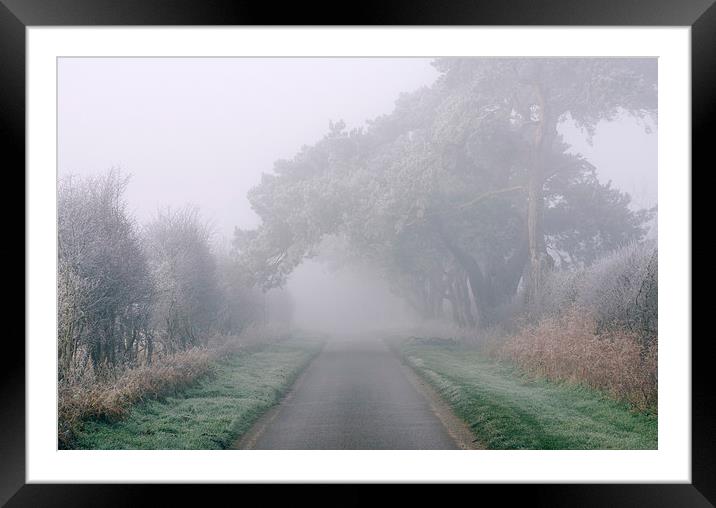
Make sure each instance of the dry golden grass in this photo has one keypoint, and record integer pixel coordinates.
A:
(110, 399)
(566, 348)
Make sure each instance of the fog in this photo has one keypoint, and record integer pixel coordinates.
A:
(359, 302)
(204, 130)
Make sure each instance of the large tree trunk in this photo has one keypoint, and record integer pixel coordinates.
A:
(454, 305)
(425, 295)
(479, 285)
(461, 302)
(465, 300)
(537, 253)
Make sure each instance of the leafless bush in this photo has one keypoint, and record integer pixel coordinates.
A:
(621, 291)
(183, 271)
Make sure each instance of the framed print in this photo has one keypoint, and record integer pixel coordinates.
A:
(421, 247)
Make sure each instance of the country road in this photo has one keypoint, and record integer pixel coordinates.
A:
(355, 395)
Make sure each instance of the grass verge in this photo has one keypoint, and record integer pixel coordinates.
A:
(507, 409)
(213, 413)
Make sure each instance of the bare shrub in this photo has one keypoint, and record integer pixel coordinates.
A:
(620, 289)
(183, 270)
(559, 291)
(567, 348)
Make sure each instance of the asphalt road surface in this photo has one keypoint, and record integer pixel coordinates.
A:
(355, 395)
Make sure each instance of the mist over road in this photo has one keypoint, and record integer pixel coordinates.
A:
(355, 395)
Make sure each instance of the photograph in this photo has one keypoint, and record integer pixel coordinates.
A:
(416, 246)
(357, 253)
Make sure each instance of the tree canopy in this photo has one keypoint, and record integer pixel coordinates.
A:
(466, 191)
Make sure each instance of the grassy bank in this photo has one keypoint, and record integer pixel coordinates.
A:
(214, 412)
(507, 409)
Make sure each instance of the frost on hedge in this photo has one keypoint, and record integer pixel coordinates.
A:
(620, 290)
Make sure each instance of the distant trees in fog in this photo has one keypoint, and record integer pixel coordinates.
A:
(126, 292)
(466, 194)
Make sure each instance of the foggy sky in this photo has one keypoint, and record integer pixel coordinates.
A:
(203, 130)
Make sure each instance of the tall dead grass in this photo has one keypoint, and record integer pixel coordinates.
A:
(567, 348)
(93, 398)
(109, 395)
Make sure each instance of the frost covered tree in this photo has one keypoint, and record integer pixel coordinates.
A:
(104, 292)
(183, 271)
(241, 303)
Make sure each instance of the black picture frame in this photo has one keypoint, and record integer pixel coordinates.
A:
(16, 15)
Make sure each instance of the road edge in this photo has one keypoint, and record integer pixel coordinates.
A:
(248, 439)
(455, 426)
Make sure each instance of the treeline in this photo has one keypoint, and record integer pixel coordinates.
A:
(471, 205)
(466, 196)
(128, 293)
